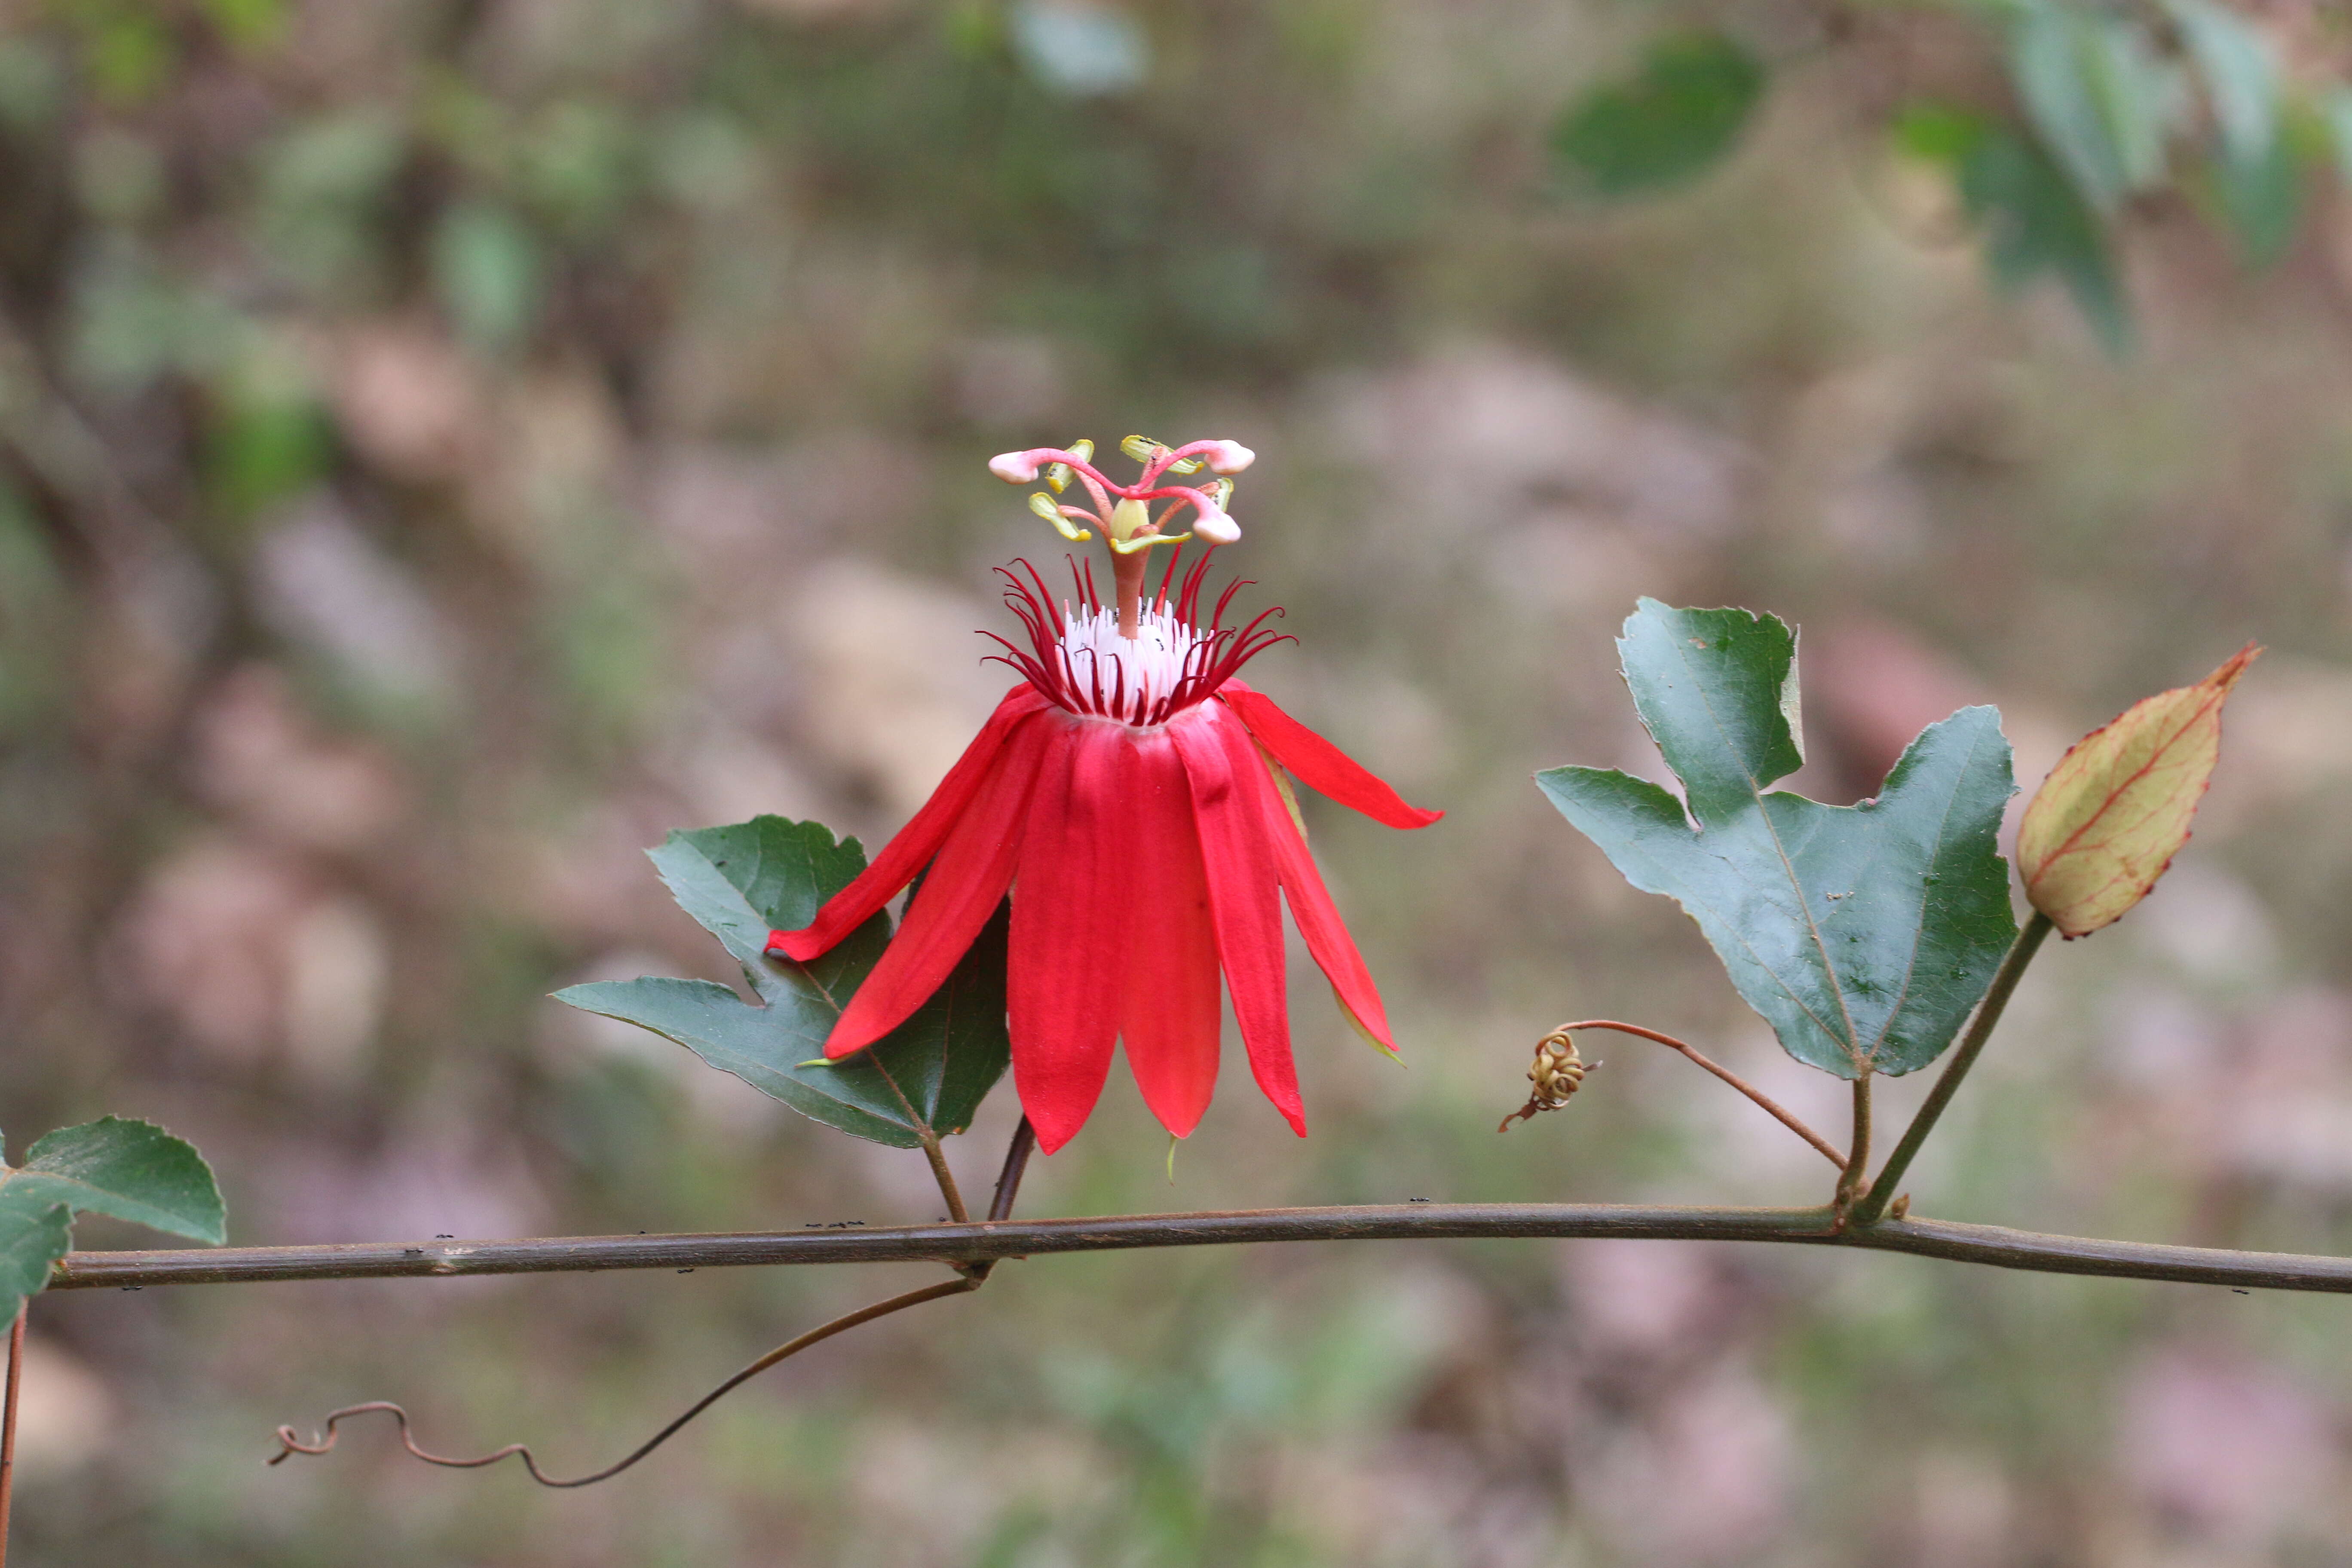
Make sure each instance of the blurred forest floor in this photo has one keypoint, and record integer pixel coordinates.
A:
(447, 444)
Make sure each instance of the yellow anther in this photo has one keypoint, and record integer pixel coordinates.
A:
(1043, 505)
(1144, 542)
(1058, 474)
(1144, 449)
(1220, 491)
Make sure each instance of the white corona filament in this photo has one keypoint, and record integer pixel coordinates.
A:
(1150, 663)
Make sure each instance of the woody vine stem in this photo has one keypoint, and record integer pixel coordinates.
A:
(972, 1249)
(1855, 1217)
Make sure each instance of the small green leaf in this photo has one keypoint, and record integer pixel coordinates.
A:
(2240, 74)
(1938, 132)
(2099, 93)
(486, 269)
(2261, 202)
(34, 1232)
(2034, 220)
(1668, 122)
(2256, 175)
(248, 24)
(1863, 935)
(742, 881)
(131, 1169)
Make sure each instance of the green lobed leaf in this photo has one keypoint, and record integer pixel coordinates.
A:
(739, 882)
(1668, 122)
(1863, 935)
(131, 1169)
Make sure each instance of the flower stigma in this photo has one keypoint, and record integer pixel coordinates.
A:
(1122, 513)
(1147, 655)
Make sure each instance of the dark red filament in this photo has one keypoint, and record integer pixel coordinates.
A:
(1217, 653)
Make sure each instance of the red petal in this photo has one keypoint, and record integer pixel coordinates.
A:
(1168, 1016)
(1311, 908)
(1318, 763)
(973, 870)
(1070, 928)
(916, 842)
(1244, 905)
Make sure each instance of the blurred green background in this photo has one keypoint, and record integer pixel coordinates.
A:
(447, 444)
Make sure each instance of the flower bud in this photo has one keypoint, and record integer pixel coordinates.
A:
(1230, 457)
(1013, 468)
(2108, 820)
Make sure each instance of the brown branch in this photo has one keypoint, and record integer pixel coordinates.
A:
(289, 1445)
(1994, 1245)
(1773, 1108)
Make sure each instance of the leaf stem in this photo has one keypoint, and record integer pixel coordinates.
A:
(8, 1426)
(2013, 967)
(940, 1172)
(1857, 1162)
(1778, 1112)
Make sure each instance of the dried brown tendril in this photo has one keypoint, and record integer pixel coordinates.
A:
(1558, 1073)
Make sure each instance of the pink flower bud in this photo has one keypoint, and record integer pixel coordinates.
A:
(1229, 458)
(1013, 468)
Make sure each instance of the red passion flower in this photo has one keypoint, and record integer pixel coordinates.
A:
(1126, 794)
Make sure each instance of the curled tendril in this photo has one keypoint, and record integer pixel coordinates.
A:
(1558, 1073)
(291, 1444)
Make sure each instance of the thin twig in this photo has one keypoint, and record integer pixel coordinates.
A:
(1778, 1111)
(1923, 1122)
(8, 1426)
(1995, 1244)
(290, 1445)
